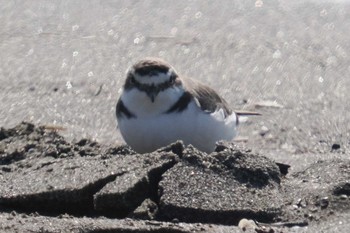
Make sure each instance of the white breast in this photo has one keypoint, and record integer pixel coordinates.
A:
(141, 105)
(153, 128)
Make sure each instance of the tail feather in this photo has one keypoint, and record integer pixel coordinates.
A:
(243, 114)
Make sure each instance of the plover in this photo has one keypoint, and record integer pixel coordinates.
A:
(158, 106)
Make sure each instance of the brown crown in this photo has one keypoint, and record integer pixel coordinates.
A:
(151, 66)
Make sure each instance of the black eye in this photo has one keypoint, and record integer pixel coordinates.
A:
(172, 79)
(132, 80)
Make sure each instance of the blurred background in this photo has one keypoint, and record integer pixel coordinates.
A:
(63, 63)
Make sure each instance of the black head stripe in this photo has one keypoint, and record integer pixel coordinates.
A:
(132, 82)
(181, 104)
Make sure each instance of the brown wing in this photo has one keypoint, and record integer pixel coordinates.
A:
(207, 97)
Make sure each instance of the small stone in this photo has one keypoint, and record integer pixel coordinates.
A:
(52, 152)
(313, 210)
(324, 202)
(64, 148)
(146, 211)
(263, 131)
(6, 169)
(283, 168)
(309, 216)
(245, 224)
(301, 203)
(177, 148)
(83, 142)
(222, 145)
(342, 189)
(335, 146)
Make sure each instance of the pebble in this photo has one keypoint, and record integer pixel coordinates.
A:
(245, 224)
(335, 146)
(324, 202)
(263, 131)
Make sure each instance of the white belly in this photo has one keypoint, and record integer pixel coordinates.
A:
(192, 126)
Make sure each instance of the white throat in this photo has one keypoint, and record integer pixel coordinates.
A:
(140, 104)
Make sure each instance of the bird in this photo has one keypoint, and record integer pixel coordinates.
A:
(157, 107)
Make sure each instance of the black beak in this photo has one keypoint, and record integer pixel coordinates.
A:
(152, 94)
